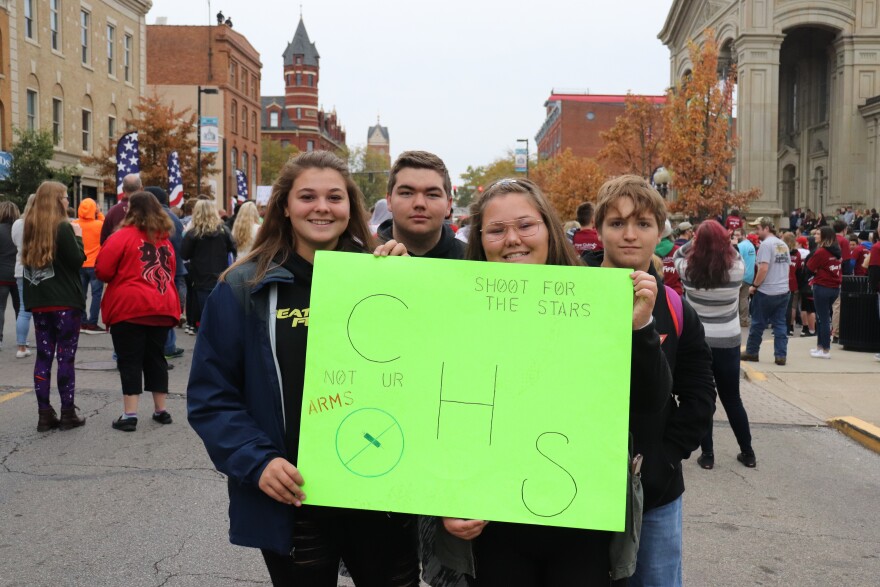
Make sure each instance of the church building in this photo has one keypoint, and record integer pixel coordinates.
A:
(296, 117)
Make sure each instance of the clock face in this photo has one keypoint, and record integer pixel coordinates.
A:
(591, 115)
(369, 442)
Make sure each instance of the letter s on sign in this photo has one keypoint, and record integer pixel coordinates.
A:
(573, 482)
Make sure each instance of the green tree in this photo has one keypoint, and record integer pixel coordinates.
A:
(475, 178)
(161, 129)
(30, 165)
(370, 171)
(273, 156)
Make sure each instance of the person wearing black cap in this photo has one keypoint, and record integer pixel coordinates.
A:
(172, 351)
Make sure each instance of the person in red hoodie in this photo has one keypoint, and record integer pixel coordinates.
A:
(91, 221)
(137, 262)
(587, 238)
(825, 263)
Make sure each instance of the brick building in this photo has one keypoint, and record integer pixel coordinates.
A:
(296, 118)
(575, 121)
(379, 141)
(181, 58)
(74, 69)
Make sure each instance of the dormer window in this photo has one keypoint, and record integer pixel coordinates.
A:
(299, 59)
(273, 119)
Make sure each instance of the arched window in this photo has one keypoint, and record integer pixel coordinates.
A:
(244, 121)
(254, 125)
(234, 120)
(244, 162)
(253, 180)
(233, 156)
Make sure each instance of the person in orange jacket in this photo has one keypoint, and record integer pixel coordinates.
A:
(91, 220)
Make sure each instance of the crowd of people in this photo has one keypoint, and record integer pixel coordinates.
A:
(240, 282)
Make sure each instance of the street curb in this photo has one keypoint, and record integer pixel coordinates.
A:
(862, 432)
(752, 374)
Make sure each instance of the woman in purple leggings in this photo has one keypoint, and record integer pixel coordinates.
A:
(52, 254)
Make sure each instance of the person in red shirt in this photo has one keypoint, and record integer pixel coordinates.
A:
(733, 221)
(825, 263)
(665, 250)
(137, 262)
(861, 252)
(587, 238)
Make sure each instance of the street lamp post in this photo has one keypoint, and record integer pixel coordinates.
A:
(661, 180)
(199, 150)
(526, 141)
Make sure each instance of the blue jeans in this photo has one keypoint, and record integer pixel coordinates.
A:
(659, 561)
(87, 276)
(769, 309)
(23, 321)
(823, 298)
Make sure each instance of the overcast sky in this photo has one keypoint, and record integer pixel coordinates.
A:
(461, 78)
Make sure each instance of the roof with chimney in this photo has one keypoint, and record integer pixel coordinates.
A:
(301, 45)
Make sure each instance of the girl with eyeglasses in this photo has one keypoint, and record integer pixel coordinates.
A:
(514, 223)
(52, 254)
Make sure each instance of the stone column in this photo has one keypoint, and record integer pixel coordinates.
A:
(758, 119)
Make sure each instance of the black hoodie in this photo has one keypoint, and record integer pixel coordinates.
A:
(448, 247)
(664, 442)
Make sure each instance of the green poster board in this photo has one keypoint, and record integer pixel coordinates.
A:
(468, 389)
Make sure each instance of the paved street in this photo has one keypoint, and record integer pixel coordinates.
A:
(96, 507)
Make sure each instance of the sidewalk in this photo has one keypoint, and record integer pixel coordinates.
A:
(845, 386)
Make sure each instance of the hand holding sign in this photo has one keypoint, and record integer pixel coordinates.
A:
(644, 296)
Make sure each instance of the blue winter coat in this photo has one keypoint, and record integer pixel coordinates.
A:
(235, 405)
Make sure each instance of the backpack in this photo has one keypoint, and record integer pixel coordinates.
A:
(676, 309)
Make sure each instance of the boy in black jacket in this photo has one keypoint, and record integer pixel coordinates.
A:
(629, 217)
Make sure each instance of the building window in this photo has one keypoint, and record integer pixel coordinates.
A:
(311, 81)
(252, 180)
(55, 24)
(244, 81)
(299, 79)
(57, 121)
(254, 87)
(244, 121)
(29, 27)
(310, 145)
(254, 125)
(244, 163)
(86, 131)
(298, 113)
(234, 117)
(84, 25)
(273, 119)
(233, 73)
(233, 155)
(126, 57)
(111, 53)
(299, 59)
(111, 127)
(31, 110)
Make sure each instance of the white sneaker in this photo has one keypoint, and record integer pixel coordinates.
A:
(820, 354)
(22, 354)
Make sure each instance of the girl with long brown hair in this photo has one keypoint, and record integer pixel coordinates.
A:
(138, 264)
(52, 254)
(245, 389)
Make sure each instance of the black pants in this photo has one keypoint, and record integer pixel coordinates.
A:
(379, 549)
(538, 556)
(140, 357)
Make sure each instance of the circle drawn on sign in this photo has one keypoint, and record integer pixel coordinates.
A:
(369, 442)
(372, 298)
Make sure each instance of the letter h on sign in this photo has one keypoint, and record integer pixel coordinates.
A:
(491, 406)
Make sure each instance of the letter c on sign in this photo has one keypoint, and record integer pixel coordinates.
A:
(364, 305)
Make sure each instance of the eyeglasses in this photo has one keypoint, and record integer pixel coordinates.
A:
(525, 226)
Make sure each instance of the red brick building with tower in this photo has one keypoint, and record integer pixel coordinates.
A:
(296, 117)
(575, 121)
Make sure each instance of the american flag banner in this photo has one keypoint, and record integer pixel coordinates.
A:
(127, 158)
(241, 183)
(175, 183)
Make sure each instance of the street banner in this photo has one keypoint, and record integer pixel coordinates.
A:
(128, 158)
(210, 135)
(521, 160)
(5, 164)
(241, 187)
(467, 389)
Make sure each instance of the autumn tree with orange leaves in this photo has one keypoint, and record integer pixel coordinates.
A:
(161, 129)
(698, 147)
(567, 181)
(633, 144)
